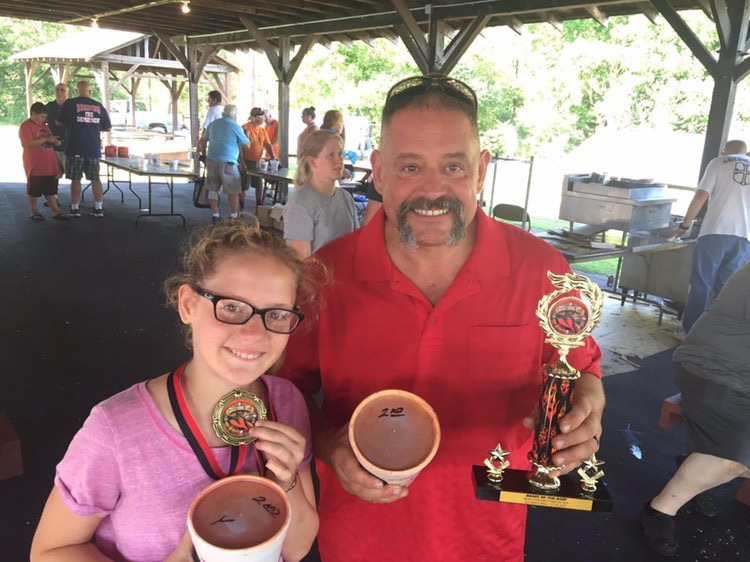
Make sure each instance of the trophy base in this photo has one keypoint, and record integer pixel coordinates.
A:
(515, 488)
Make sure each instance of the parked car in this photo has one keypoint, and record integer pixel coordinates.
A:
(119, 115)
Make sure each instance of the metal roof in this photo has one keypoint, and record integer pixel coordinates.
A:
(80, 47)
(121, 49)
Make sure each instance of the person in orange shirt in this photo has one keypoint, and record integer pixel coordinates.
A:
(272, 128)
(253, 155)
(308, 118)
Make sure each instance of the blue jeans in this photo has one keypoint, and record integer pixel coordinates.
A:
(715, 259)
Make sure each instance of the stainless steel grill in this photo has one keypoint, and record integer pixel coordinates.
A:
(625, 205)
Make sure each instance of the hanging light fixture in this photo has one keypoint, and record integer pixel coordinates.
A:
(95, 23)
(185, 7)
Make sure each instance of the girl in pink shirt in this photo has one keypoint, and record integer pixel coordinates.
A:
(124, 487)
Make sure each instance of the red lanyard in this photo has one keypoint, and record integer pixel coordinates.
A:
(195, 438)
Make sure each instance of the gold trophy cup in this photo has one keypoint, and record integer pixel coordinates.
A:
(567, 320)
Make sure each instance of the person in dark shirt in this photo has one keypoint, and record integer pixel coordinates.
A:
(53, 109)
(712, 370)
(84, 120)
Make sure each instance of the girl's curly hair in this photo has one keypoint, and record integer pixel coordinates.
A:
(209, 245)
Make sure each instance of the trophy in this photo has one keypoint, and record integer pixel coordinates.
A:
(567, 320)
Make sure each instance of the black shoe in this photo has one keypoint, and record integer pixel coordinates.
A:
(214, 219)
(97, 213)
(75, 213)
(706, 504)
(659, 531)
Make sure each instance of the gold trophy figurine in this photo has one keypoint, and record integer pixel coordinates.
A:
(588, 480)
(496, 464)
(566, 320)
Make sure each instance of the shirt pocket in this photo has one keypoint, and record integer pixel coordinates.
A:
(508, 355)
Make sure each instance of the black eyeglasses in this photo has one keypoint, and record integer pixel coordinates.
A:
(420, 84)
(234, 311)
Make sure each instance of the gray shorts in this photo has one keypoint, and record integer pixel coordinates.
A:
(223, 174)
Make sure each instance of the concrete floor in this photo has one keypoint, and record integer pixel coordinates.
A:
(631, 332)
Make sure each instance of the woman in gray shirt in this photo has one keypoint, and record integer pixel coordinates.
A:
(318, 211)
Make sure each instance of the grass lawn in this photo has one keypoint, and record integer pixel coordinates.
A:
(605, 267)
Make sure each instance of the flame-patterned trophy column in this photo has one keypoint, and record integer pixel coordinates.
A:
(566, 321)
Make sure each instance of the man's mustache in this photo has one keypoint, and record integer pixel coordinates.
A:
(442, 203)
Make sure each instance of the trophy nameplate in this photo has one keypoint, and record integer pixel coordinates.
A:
(567, 320)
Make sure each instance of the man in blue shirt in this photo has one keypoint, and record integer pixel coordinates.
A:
(224, 138)
(84, 120)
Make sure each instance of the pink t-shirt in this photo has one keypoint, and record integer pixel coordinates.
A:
(130, 467)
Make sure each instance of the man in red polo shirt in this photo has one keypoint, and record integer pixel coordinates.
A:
(434, 297)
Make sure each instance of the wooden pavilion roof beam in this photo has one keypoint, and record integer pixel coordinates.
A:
(706, 7)
(285, 67)
(514, 23)
(687, 35)
(598, 14)
(382, 22)
(344, 38)
(173, 49)
(720, 15)
(461, 42)
(552, 19)
(262, 9)
(365, 38)
(731, 20)
(161, 64)
(126, 10)
(430, 55)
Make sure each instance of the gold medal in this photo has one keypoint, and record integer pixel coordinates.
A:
(235, 414)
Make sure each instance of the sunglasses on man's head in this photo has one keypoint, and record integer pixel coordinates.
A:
(420, 84)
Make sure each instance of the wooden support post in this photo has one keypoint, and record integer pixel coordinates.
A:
(134, 83)
(284, 98)
(435, 42)
(56, 70)
(726, 76)
(29, 74)
(193, 101)
(174, 93)
(105, 96)
(731, 20)
(285, 70)
(228, 86)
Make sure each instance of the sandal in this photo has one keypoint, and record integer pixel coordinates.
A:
(36, 217)
(61, 217)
